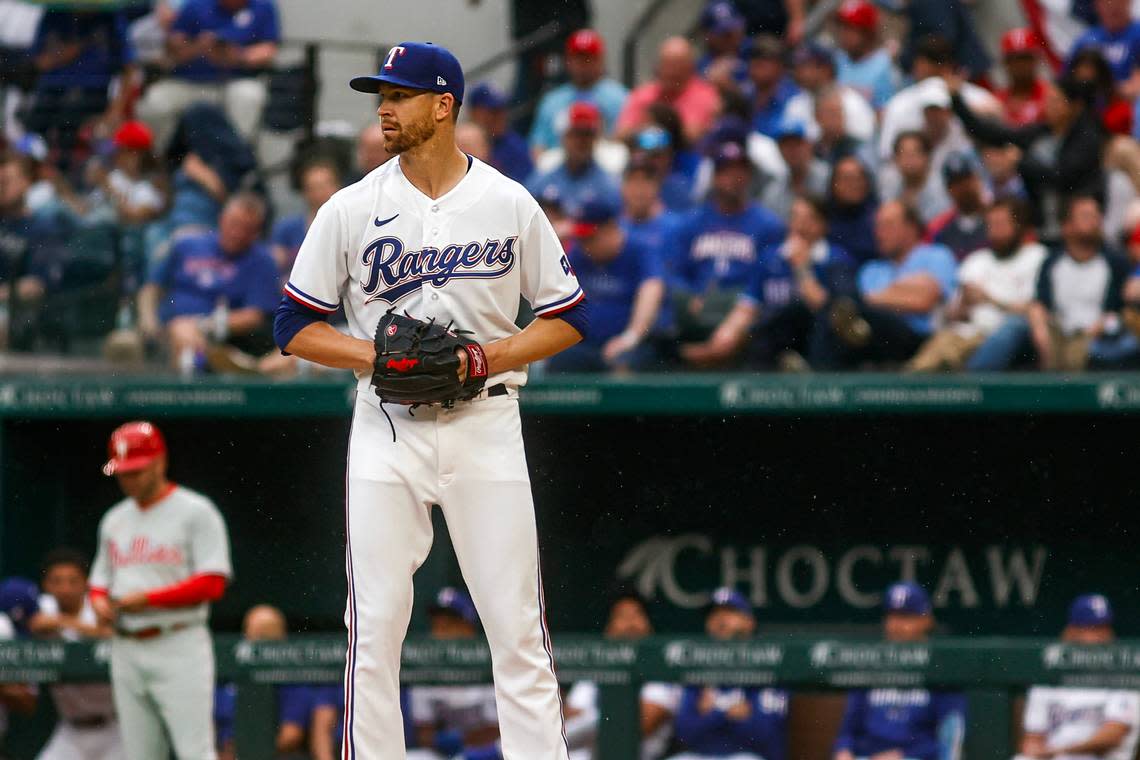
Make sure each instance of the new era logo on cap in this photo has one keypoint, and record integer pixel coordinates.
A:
(441, 81)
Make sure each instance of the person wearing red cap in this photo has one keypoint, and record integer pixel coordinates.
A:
(676, 83)
(579, 175)
(586, 68)
(163, 555)
(862, 63)
(1023, 99)
(134, 188)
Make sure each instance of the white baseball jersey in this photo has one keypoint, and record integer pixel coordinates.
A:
(1066, 716)
(456, 708)
(465, 256)
(77, 701)
(179, 536)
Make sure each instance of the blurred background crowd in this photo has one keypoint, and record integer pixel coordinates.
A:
(883, 193)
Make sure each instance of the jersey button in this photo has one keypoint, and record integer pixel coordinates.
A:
(435, 209)
(435, 296)
(435, 232)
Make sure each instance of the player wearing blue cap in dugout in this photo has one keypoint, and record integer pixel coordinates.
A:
(453, 721)
(904, 724)
(1066, 723)
(18, 604)
(733, 723)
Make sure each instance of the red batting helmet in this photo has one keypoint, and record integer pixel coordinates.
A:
(133, 446)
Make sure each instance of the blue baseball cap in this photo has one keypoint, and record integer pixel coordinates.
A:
(721, 16)
(419, 65)
(730, 598)
(908, 598)
(813, 52)
(455, 602)
(958, 165)
(594, 212)
(19, 600)
(486, 95)
(1090, 609)
(730, 152)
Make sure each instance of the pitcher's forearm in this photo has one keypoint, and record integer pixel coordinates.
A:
(540, 339)
(322, 343)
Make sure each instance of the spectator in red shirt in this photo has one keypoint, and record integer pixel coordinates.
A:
(1023, 101)
(676, 83)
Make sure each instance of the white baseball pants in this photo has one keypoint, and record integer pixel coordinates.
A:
(470, 461)
(164, 694)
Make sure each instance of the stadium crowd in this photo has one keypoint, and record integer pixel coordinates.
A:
(857, 199)
(678, 722)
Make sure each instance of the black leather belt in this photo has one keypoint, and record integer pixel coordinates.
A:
(151, 632)
(497, 390)
(89, 721)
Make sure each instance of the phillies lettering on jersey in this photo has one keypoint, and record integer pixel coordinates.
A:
(390, 273)
(140, 552)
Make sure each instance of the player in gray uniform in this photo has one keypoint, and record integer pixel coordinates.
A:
(163, 556)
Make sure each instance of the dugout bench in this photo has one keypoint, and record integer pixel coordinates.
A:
(992, 671)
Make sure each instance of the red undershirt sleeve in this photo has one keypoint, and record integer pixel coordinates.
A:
(206, 587)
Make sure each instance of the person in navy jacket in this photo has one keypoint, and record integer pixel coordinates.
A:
(904, 724)
(740, 723)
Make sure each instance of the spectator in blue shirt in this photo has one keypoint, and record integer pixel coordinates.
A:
(723, 27)
(77, 55)
(579, 176)
(792, 287)
(862, 62)
(215, 51)
(1117, 36)
(916, 724)
(586, 67)
(317, 180)
(487, 106)
(741, 723)
(215, 288)
(769, 86)
(626, 286)
(962, 227)
(899, 295)
(716, 248)
(643, 213)
(656, 145)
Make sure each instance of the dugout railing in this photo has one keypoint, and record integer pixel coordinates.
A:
(993, 672)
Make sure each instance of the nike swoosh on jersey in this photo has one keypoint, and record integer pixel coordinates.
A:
(380, 223)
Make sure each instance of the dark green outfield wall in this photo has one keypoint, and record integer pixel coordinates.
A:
(1004, 516)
